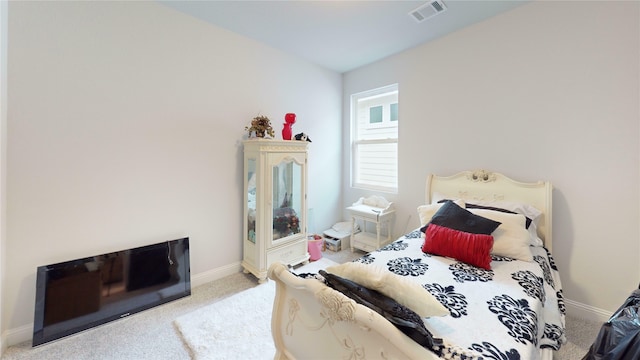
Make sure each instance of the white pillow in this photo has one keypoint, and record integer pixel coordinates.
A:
(511, 238)
(426, 212)
(402, 290)
(534, 239)
(525, 209)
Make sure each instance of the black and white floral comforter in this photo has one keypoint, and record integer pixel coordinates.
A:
(508, 312)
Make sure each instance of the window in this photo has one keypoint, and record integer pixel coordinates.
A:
(374, 140)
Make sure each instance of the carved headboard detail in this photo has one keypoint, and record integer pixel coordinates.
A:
(481, 175)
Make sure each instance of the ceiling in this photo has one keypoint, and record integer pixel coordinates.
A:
(340, 35)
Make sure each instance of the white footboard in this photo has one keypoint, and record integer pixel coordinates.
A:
(312, 321)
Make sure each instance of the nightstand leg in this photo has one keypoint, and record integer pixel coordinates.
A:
(353, 231)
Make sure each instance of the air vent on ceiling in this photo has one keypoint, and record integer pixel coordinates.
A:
(428, 10)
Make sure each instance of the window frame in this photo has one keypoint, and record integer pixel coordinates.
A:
(355, 142)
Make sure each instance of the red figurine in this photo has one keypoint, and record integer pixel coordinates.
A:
(290, 119)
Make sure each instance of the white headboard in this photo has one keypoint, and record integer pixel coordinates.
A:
(489, 186)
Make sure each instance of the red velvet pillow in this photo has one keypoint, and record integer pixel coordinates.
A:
(473, 249)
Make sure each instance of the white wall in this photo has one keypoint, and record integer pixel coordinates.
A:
(125, 123)
(548, 91)
(3, 153)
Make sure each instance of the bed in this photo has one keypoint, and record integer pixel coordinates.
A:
(506, 306)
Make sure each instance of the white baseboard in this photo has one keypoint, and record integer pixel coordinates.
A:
(18, 335)
(587, 312)
(24, 333)
(215, 274)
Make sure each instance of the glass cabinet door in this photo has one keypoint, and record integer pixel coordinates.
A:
(287, 198)
(251, 200)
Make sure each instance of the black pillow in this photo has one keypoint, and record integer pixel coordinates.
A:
(403, 318)
(476, 206)
(454, 217)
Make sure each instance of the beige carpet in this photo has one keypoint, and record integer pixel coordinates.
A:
(238, 326)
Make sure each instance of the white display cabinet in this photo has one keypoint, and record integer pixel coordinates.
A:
(275, 196)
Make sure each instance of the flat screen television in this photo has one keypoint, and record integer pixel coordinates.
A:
(76, 295)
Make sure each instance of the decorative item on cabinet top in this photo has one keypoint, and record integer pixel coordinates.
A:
(289, 120)
(303, 137)
(260, 127)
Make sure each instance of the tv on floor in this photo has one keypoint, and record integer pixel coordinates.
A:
(76, 295)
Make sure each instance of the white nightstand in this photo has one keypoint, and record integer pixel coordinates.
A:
(381, 214)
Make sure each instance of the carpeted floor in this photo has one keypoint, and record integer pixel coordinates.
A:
(152, 335)
(208, 332)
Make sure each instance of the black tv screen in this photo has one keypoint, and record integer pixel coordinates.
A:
(76, 295)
